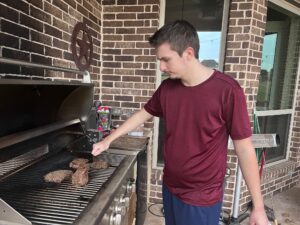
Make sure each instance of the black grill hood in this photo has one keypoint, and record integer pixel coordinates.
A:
(29, 104)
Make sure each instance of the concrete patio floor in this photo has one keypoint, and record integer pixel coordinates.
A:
(286, 207)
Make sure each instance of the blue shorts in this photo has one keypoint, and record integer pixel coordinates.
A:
(179, 213)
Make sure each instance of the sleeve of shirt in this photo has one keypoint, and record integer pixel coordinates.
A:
(153, 106)
(237, 118)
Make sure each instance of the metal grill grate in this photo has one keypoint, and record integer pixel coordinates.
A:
(19, 161)
(57, 204)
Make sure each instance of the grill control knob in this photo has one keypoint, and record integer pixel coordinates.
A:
(115, 219)
(120, 208)
(125, 200)
(130, 186)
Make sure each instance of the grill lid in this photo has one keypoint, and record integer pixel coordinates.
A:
(29, 104)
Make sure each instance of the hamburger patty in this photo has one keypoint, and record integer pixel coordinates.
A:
(81, 176)
(79, 162)
(101, 164)
(58, 176)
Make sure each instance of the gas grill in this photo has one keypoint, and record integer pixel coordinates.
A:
(43, 128)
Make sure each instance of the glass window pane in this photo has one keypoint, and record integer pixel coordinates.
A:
(276, 125)
(205, 15)
(210, 48)
(267, 67)
(277, 78)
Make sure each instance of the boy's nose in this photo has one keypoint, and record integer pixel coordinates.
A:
(162, 67)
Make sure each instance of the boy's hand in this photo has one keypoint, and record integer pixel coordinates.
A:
(100, 147)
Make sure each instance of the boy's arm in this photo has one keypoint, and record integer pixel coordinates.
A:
(249, 167)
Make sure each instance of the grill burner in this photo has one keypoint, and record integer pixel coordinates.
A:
(48, 203)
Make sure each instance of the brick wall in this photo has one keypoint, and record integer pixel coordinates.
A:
(129, 64)
(40, 32)
(156, 186)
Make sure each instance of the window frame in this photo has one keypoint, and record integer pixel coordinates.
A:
(290, 11)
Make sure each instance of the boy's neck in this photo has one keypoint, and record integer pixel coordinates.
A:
(196, 74)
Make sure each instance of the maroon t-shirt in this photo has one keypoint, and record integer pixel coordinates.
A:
(198, 122)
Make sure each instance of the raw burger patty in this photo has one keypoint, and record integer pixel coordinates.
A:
(101, 164)
(81, 176)
(58, 176)
(77, 163)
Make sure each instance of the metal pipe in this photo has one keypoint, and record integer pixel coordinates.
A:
(237, 193)
(86, 74)
(40, 66)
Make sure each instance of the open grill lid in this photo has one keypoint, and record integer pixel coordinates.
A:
(38, 114)
(38, 117)
(29, 104)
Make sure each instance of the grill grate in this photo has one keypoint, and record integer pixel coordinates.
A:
(53, 204)
(18, 162)
(57, 204)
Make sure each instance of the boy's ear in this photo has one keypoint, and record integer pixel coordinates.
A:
(190, 52)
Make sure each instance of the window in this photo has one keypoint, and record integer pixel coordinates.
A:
(209, 53)
(277, 80)
(207, 17)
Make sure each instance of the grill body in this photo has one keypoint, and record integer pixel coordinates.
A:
(42, 129)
